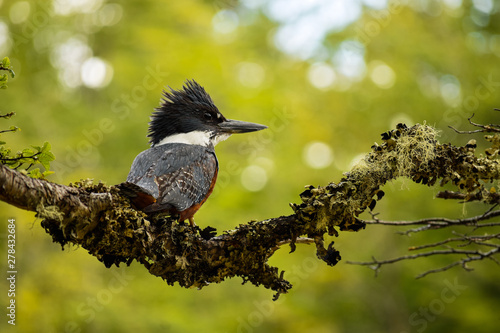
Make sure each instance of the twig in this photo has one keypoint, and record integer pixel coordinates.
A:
(19, 157)
(484, 128)
(413, 256)
(473, 255)
(462, 238)
(7, 115)
(484, 225)
(9, 130)
(479, 256)
(440, 221)
(299, 240)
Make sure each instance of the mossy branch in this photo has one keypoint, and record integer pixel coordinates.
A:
(102, 221)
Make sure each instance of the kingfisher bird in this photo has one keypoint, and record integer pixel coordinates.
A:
(178, 173)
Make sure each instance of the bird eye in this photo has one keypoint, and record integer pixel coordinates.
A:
(207, 115)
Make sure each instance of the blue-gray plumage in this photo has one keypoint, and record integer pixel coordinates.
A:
(178, 173)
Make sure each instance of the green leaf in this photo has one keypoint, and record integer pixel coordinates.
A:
(6, 66)
(13, 164)
(46, 173)
(46, 147)
(45, 159)
(26, 160)
(46, 155)
(27, 151)
(35, 173)
(6, 62)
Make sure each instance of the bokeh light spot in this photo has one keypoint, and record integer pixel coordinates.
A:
(450, 90)
(96, 73)
(429, 84)
(5, 41)
(453, 4)
(349, 60)
(376, 4)
(485, 6)
(225, 21)
(321, 75)
(110, 14)
(68, 7)
(68, 57)
(19, 12)
(318, 155)
(305, 24)
(254, 178)
(382, 75)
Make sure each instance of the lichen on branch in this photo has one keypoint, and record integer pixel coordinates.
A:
(99, 219)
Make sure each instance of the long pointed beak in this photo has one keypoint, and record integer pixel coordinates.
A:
(236, 126)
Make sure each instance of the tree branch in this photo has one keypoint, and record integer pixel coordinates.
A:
(471, 187)
(102, 221)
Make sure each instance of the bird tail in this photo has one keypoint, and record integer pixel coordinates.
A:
(139, 196)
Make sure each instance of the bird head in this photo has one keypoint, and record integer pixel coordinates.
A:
(190, 116)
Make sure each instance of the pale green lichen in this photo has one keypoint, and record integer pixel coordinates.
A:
(420, 147)
(49, 212)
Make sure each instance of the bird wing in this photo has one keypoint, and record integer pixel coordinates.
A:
(177, 175)
(139, 196)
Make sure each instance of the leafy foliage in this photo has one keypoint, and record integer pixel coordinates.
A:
(28, 157)
(5, 66)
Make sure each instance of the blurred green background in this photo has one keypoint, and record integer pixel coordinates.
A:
(326, 76)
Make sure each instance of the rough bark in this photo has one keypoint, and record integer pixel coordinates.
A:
(99, 219)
